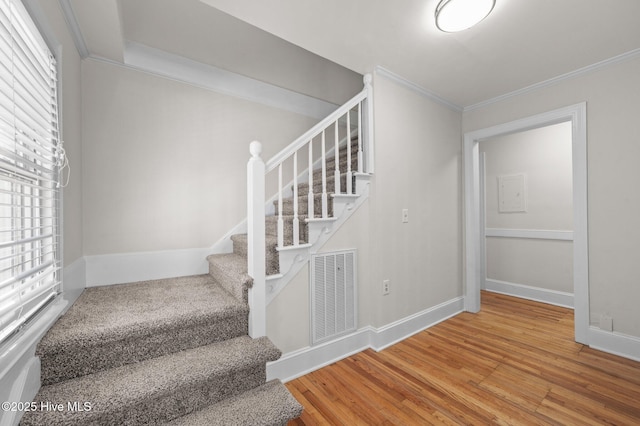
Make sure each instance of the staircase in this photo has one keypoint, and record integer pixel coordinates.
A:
(193, 350)
(172, 351)
(218, 263)
(321, 198)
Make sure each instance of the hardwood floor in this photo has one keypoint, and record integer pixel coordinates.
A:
(514, 363)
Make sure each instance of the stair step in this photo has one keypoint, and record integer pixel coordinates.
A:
(269, 404)
(116, 325)
(330, 165)
(230, 271)
(330, 168)
(303, 188)
(240, 244)
(271, 227)
(287, 205)
(159, 389)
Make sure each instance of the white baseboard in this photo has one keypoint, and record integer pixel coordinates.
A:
(397, 331)
(74, 279)
(615, 343)
(132, 267)
(552, 297)
(306, 360)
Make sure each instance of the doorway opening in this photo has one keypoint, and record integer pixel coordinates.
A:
(474, 212)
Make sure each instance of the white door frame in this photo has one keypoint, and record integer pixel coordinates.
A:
(577, 115)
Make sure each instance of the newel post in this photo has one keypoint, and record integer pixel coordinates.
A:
(256, 242)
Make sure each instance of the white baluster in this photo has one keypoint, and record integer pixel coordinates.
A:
(325, 205)
(310, 193)
(368, 133)
(360, 162)
(280, 221)
(296, 221)
(336, 174)
(255, 243)
(349, 172)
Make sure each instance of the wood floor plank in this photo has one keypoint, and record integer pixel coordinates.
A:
(513, 363)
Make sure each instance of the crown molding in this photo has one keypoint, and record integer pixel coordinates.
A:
(555, 80)
(379, 70)
(74, 28)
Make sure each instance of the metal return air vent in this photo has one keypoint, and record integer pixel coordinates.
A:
(333, 295)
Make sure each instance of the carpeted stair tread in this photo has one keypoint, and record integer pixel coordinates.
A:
(272, 265)
(342, 164)
(115, 325)
(271, 227)
(268, 405)
(303, 202)
(303, 188)
(317, 174)
(160, 389)
(230, 271)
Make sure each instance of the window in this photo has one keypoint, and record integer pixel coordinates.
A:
(30, 159)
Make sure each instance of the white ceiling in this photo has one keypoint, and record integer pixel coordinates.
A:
(522, 42)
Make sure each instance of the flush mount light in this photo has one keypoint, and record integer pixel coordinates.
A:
(458, 15)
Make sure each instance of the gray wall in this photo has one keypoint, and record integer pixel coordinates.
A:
(543, 156)
(418, 167)
(164, 163)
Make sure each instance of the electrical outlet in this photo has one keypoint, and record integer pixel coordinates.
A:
(405, 215)
(386, 287)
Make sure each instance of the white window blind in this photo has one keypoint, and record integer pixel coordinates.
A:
(30, 154)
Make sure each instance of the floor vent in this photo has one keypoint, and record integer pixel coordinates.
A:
(333, 295)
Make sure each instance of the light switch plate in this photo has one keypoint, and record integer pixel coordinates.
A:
(405, 215)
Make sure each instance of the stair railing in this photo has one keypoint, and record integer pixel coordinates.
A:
(304, 145)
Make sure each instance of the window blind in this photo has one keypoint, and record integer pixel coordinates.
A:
(30, 155)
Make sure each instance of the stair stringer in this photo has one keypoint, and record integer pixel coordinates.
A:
(293, 258)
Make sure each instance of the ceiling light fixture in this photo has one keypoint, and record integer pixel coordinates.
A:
(458, 15)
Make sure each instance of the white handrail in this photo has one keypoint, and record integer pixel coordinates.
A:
(314, 131)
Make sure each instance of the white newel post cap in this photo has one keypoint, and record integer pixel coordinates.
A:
(255, 148)
(367, 79)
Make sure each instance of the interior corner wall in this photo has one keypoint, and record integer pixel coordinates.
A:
(164, 163)
(613, 149)
(418, 160)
